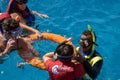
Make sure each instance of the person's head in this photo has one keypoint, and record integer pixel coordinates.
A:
(11, 27)
(64, 52)
(21, 4)
(86, 40)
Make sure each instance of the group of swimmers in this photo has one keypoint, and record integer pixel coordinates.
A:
(67, 62)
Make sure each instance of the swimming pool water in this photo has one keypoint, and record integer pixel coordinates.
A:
(69, 18)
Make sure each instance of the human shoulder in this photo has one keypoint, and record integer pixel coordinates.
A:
(96, 53)
(96, 59)
(49, 63)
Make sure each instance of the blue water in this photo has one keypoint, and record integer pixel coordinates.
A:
(69, 18)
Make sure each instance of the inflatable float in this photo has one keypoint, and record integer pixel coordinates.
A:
(35, 61)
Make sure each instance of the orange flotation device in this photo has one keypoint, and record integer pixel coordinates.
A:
(35, 61)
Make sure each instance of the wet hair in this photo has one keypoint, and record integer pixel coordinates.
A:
(21, 1)
(9, 24)
(64, 51)
(89, 36)
(87, 33)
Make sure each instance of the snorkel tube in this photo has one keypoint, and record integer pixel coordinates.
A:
(93, 39)
(93, 36)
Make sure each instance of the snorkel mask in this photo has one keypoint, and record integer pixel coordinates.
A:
(21, 1)
(88, 42)
(93, 36)
(85, 42)
(64, 57)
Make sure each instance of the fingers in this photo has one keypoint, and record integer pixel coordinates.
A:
(38, 34)
(11, 43)
(44, 15)
(69, 39)
(37, 54)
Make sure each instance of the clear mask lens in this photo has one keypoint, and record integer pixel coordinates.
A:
(84, 42)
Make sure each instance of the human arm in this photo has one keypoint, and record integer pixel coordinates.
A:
(94, 70)
(38, 33)
(40, 15)
(22, 23)
(25, 45)
(48, 56)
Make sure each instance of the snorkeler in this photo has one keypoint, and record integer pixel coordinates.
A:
(62, 68)
(91, 59)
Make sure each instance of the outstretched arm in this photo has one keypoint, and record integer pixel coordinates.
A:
(39, 14)
(38, 33)
(22, 24)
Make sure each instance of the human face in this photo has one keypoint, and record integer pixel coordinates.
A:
(21, 6)
(85, 43)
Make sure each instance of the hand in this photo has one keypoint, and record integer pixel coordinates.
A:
(40, 15)
(38, 34)
(69, 39)
(36, 54)
(80, 58)
(44, 15)
(11, 44)
(1, 54)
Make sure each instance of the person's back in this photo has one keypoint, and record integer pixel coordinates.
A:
(62, 68)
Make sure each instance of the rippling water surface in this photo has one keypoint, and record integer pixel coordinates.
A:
(70, 18)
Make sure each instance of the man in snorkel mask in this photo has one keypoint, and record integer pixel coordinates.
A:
(92, 60)
(62, 68)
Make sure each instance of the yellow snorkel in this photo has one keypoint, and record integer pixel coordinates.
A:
(93, 38)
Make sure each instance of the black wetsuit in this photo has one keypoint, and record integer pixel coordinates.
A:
(94, 70)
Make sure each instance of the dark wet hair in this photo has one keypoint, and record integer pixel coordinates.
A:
(21, 1)
(9, 24)
(88, 33)
(64, 51)
(89, 38)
